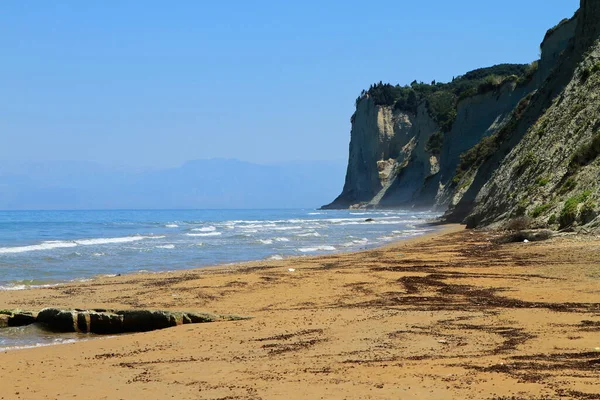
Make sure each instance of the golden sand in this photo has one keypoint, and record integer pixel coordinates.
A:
(446, 316)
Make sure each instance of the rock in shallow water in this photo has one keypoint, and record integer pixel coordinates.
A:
(10, 318)
(21, 318)
(125, 321)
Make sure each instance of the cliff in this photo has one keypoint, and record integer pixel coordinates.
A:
(476, 146)
(548, 166)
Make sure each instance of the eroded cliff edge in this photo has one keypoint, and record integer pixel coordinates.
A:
(476, 146)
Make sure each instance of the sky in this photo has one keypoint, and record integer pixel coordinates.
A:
(145, 83)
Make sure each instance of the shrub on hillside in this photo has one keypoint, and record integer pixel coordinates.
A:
(521, 236)
(568, 215)
(518, 224)
(585, 154)
(434, 143)
(541, 209)
(442, 108)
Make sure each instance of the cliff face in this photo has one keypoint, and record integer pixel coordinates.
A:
(389, 162)
(555, 71)
(478, 117)
(551, 171)
(383, 144)
(502, 139)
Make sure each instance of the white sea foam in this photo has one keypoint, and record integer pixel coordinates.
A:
(317, 248)
(258, 226)
(288, 228)
(358, 242)
(24, 287)
(282, 239)
(266, 241)
(205, 229)
(33, 346)
(276, 257)
(13, 287)
(204, 234)
(37, 247)
(171, 226)
(375, 222)
(166, 246)
(307, 234)
(81, 280)
(126, 239)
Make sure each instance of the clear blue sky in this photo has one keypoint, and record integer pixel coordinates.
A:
(155, 83)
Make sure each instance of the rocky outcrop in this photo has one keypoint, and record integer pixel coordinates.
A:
(478, 117)
(377, 138)
(10, 318)
(552, 173)
(545, 166)
(588, 25)
(107, 321)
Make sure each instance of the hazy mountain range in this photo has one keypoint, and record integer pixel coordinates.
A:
(215, 183)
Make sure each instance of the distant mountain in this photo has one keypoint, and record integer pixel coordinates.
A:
(215, 183)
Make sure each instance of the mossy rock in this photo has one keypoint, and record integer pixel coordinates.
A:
(57, 320)
(103, 323)
(21, 318)
(109, 321)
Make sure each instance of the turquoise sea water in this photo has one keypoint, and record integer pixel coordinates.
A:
(50, 247)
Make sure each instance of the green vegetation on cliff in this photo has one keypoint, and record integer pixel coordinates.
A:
(478, 154)
(442, 99)
(568, 215)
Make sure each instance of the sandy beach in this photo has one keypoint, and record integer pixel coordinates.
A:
(450, 315)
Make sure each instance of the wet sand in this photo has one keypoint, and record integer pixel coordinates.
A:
(446, 316)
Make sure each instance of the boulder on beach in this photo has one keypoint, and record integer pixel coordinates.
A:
(57, 320)
(21, 318)
(101, 322)
(16, 318)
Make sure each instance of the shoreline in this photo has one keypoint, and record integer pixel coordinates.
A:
(449, 314)
(434, 231)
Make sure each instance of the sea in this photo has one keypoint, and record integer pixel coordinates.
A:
(45, 248)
